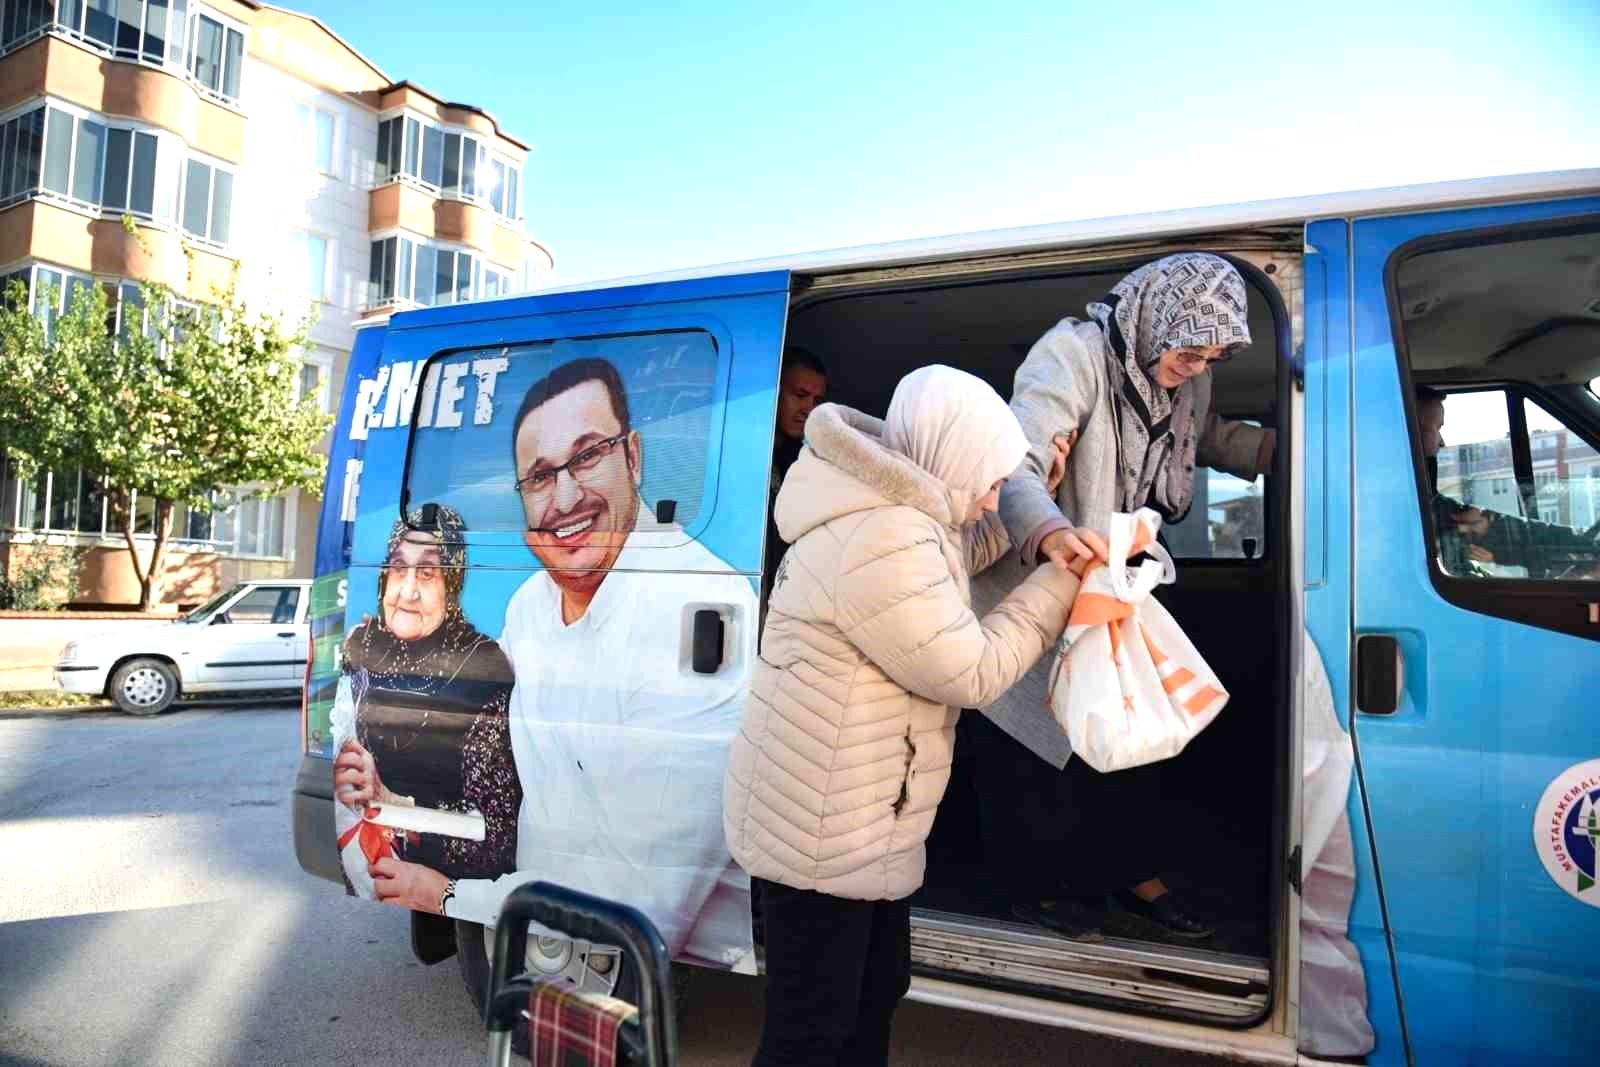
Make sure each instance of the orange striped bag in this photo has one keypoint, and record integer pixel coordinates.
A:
(1129, 688)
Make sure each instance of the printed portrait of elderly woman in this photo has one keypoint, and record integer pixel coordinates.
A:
(420, 716)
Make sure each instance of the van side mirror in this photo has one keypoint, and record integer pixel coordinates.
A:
(1249, 545)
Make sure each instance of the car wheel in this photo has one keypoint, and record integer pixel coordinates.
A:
(144, 686)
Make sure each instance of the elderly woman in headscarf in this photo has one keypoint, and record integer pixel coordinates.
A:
(420, 716)
(870, 647)
(1130, 387)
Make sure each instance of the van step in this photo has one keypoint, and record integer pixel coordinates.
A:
(1188, 979)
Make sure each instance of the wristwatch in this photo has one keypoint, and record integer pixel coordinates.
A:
(449, 891)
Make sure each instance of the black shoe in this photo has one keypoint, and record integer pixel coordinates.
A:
(1070, 918)
(1166, 912)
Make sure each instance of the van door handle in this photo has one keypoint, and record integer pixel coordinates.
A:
(1377, 674)
(706, 650)
(289, 633)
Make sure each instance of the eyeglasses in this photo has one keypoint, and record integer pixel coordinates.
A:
(1193, 358)
(541, 483)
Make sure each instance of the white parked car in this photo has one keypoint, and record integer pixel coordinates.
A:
(254, 636)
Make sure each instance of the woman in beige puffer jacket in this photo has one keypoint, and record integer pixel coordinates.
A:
(869, 650)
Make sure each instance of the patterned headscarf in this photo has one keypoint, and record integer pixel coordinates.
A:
(436, 658)
(449, 529)
(1190, 300)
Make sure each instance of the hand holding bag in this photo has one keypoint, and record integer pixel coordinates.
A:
(1129, 688)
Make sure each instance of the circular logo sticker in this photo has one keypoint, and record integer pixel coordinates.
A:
(1566, 830)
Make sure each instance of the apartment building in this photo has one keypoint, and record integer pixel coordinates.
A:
(242, 138)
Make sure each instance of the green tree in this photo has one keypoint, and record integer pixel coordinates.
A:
(181, 405)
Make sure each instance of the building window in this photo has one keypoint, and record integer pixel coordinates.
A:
(455, 276)
(384, 275)
(70, 503)
(130, 181)
(497, 186)
(258, 526)
(88, 162)
(53, 292)
(432, 166)
(446, 161)
(315, 128)
(309, 252)
(21, 156)
(217, 57)
(50, 501)
(251, 527)
(23, 20)
(413, 146)
(316, 380)
(496, 283)
(207, 201)
(388, 155)
(165, 33)
(408, 271)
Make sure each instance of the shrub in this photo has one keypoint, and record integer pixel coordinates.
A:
(43, 578)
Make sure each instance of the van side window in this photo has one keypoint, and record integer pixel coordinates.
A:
(646, 433)
(1226, 520)
(1507, 426)
(1490, 522)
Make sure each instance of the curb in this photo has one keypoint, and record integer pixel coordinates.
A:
(68, 709)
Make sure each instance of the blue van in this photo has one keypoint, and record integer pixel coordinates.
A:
(537, 600)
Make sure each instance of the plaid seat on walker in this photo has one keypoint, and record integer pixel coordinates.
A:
(567, 1028)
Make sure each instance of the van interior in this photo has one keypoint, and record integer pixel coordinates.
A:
(1215, 838)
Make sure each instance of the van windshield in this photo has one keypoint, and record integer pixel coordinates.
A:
(209, 608)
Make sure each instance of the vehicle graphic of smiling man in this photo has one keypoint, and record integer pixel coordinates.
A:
(579, 464)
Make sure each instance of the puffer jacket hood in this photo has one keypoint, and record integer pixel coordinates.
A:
(846, 468)
(869, 649)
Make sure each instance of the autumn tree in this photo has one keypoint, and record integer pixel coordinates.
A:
(176, 402)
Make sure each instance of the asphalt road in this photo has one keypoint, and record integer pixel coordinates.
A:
(151, 912)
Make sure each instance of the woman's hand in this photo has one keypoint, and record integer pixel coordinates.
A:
(1073, 549)
(408, 885)
(355, 777)
(1063, 443)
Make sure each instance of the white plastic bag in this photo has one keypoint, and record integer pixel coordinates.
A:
(1129, 688)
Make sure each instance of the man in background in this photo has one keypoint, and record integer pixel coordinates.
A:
(801, 387)
(1470, 537)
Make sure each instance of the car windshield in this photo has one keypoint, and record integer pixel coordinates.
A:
(206, 610)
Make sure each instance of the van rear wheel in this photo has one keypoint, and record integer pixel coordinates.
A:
(144, 686)
(472, 956)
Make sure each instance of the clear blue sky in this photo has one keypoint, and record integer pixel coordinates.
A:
(698, 133)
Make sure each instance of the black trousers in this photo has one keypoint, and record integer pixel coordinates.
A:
(1076, 832)
(836, 970)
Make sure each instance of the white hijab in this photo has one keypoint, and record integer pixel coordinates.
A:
(955, 427)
